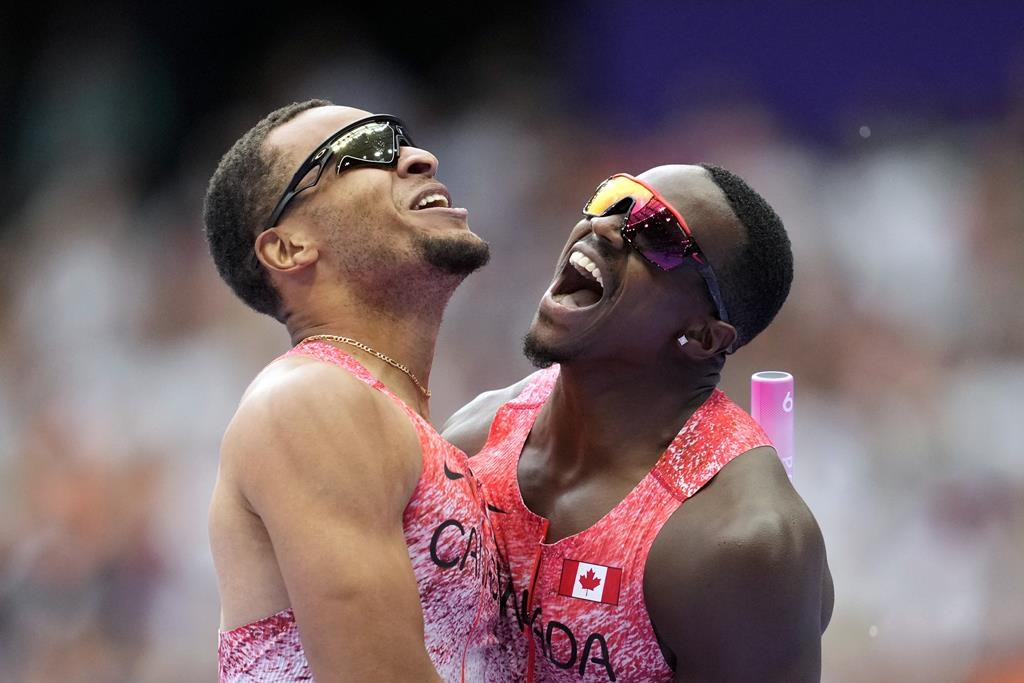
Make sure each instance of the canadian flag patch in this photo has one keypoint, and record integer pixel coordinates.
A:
(588, 581)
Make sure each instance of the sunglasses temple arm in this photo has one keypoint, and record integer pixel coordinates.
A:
(716, 293)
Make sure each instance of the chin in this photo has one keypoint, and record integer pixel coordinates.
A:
(456, 254)
(543, 351)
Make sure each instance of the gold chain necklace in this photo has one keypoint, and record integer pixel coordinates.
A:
(360, 345)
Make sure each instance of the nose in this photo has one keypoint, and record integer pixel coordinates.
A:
(416, 161)
(609, 228)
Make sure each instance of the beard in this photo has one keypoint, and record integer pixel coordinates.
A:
(455, 255)
(415, 278)
(541, 354)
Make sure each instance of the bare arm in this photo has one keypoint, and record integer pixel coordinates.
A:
(738, 585)
(329, 464)
(469, 427)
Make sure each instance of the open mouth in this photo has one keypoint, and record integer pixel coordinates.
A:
(580, 285)
(432, 200)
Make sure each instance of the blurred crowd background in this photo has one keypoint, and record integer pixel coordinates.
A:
(889, 136)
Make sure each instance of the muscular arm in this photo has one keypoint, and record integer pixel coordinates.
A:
(737, 583)
(469, 427)
(329, 465)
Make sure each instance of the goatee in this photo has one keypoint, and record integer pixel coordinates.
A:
(539, 354)
(456, 256)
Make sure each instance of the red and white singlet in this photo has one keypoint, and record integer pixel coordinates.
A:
(451, 544)
(574, 610)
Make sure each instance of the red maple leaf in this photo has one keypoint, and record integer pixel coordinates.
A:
(589, 581)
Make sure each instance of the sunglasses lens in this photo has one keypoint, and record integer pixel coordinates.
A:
(372, 143)
(611, 194)
(661, 240)
(655, 232)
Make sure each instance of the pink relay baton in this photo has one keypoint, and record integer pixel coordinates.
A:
(771, 405)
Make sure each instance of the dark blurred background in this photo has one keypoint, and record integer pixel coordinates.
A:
(889, 136)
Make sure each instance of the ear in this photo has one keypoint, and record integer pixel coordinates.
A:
(707, 338)
(282, 250)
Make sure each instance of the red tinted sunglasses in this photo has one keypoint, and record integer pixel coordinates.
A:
(654, 228)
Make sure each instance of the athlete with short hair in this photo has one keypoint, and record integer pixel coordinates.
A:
(651, 531)
(351, 542)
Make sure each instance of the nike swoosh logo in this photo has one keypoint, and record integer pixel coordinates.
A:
(452, 475)
(496, 509)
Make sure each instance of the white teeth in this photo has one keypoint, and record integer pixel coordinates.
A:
(436, 197)
(586, 267)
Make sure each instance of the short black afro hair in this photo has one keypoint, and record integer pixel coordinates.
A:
(755, 281)
(239, 199)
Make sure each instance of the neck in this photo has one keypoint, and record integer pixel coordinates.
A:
(405, 329)
(620, 415)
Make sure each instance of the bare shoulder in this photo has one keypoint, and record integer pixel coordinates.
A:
(748, 512)
(311, 419)
(325, 465)
(742, 561)
(468, 428)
